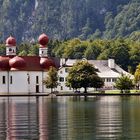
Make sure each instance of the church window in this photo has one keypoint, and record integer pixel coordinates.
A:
(11, 79)
(3, 80)
(37, 80)
(10, 49)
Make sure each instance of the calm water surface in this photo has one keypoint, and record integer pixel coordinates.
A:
(67, 118)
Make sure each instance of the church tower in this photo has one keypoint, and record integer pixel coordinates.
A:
(43, 41)
(11, 46)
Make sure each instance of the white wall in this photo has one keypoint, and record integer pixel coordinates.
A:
(20, 82)
(62, 73)
(32, 85)
(4, 87)
(62, 87)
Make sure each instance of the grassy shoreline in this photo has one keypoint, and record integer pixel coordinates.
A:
(97, 93)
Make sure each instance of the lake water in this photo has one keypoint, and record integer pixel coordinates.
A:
(67, 118)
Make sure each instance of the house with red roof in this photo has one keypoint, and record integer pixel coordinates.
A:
(24, 74)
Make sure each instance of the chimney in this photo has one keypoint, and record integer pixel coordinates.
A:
(62, 61)
(111, 63)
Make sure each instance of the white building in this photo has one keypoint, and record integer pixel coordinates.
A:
(24, 74)
(108, 70)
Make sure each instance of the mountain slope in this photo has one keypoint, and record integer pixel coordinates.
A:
(60, 19)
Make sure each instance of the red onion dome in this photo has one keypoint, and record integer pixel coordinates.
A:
(43, 40)
(11, 41)
(4, 63)
(17, 62)
(46, 63)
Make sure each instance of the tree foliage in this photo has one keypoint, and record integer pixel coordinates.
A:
(83, 74)
(65, 19)
(124, 83)
(125, 23)
(124, 51)
(137, 75)
(51, 80)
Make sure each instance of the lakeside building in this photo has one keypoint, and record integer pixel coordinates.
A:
(108, 70)
(25, 74)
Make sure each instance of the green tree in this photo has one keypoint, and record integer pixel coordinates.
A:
(34, 50)
(92, 51)
(137, 76)
(134, 55)
(120, 52)
(2, 49)
(83, 74)
(51, 81)
(86, 30)
(97, 34)
(22, 53)
(124, 83)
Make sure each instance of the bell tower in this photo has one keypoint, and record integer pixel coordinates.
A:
(11, 46)
(43, 41)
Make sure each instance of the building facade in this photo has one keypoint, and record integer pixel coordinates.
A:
(108, 70)
(24, 74)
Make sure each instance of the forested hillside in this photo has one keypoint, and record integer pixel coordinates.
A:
(65, 19)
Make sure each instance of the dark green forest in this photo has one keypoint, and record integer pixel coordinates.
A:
(66, 19)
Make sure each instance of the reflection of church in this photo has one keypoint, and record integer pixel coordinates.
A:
(28, 118)
(21, 120)
(24, 74)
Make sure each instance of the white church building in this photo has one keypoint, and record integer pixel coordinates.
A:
(25, 74)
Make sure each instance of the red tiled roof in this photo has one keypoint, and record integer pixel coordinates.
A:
(32, 64)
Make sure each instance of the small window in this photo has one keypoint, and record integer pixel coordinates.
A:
(3, 80)
(61, 72)
(61, 87)
(66, 70)
(28, 78)
(11, 79)
(108, 80)
(37, 80)
(10, 49)
(114, 79)
(61, 79)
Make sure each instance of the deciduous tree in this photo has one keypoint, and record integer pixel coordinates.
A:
(51, 81)
(83, 74)
(137, 75)
(124, 83)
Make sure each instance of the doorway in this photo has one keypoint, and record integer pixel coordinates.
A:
(37, 88)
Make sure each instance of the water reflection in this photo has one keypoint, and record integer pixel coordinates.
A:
(67, 118)
(109, 121)
(21, 120)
